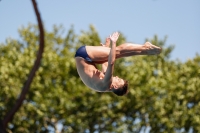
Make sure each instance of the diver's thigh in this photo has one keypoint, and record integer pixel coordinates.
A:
(98, 53)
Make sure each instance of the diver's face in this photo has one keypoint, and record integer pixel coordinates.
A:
(117, 82)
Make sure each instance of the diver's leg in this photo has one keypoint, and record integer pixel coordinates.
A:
(100, 53)
(130, 49)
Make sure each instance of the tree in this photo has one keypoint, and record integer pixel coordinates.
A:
(163, 94)
(10, 114)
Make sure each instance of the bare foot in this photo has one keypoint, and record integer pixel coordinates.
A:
(152, 49)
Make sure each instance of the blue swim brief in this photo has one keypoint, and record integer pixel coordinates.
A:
(81, 52)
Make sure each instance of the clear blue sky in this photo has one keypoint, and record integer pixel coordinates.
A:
(136, 19)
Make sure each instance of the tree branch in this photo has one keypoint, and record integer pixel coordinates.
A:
(9, 116)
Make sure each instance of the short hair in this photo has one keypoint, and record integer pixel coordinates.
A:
(123, 90)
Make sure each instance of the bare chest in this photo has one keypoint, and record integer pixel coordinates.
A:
(91, 74)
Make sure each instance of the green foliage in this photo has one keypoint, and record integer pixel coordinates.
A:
(164, 94)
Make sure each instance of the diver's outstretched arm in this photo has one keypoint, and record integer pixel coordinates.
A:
(107, 80)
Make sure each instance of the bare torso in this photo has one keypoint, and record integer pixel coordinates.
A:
(89, 74)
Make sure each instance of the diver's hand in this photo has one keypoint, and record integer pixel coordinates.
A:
(114, 37)
(107, 44)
